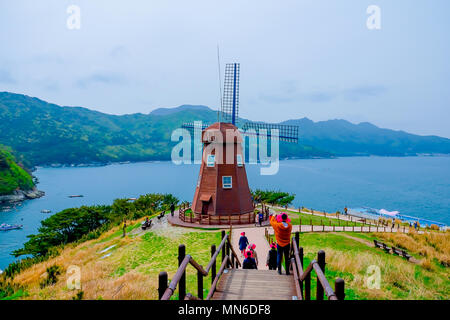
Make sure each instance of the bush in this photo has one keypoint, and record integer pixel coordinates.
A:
(79, 295)
(272, 197)
(88, 222)
(52, 276)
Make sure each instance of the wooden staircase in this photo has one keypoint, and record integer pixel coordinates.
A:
(241, 284)
(232, 283)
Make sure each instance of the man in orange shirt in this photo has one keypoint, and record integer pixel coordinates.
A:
(282, 231)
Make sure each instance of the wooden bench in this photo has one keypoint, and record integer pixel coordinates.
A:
(378, 244)
(386, 248)
(401, 252)
(161, 215)
(381, 245)
(396, 251)
(146, 225)
(406, 255)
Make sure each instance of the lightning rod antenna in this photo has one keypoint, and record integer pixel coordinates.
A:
(220, 85)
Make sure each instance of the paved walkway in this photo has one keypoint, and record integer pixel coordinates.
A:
(255, 235)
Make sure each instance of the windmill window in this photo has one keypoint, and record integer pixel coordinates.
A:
(211, 160)
(239, 160)
(227, 182)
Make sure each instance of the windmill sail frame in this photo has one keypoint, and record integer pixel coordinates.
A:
(230, 101)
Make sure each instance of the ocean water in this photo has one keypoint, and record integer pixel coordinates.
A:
(416, 186)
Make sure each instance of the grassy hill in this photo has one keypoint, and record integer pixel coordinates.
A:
(45, 133)
(12, 175)
(113, 267)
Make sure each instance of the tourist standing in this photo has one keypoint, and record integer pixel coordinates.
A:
(243, 243)
(282, 228)
(271, 261)
(260, 218)
(249, 262)
(172, 209)
(251, 248)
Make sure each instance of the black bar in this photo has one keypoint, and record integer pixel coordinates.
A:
(200, 285)
(182, 283)
(162, 283)
(339, 288)
(308, 287)
(223, 249)
(213, 268)
(321, 262)
(300, 253)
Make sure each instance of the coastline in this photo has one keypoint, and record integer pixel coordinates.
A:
(19, 196)
(103, 164)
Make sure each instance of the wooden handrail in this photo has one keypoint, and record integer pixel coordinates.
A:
(176, 278)
(307, 271)
(296, 280)
(234, 253)
(214, 257)
(216, 280)
(324, 282)
(301, 275)
(198, 267)
(201, 272)
(297, 258)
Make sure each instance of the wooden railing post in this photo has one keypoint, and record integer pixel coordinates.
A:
(223, 249)
(321, 262)
(227, 248)
(308, 287)
(200, 284)
(297, 239)
(182, 283)
(339, 288)
(300, 254)
(232, 257)
(213, 268)
(162, 283)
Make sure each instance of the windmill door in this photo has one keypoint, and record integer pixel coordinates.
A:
(205, 206)
(206, 200)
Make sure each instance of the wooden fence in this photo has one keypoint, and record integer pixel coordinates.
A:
(302, 277)
(229, 259)
(207, 219)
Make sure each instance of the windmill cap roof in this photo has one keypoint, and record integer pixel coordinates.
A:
(227, 132)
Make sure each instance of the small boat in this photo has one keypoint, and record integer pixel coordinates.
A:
(7, 227)
(46, 211)
(76, 196)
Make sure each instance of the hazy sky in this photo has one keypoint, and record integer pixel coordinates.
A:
(299, 58)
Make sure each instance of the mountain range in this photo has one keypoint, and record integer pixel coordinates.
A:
(42, 133)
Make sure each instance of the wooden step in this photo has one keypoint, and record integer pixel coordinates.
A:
(239, 284)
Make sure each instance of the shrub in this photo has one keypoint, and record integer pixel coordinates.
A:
(79, 295)
(52, 276)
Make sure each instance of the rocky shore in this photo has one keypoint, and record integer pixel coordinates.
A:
(21, 195)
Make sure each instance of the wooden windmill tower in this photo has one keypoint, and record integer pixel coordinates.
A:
(222, 193)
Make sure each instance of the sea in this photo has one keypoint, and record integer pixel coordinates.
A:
(414, 186)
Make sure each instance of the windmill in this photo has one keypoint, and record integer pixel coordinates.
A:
(222, 192)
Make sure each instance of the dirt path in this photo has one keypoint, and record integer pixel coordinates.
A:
(363, 241)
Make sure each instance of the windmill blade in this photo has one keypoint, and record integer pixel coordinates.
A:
(285, 133)
(193, 126)
(230, 101)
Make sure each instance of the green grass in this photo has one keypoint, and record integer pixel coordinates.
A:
(350, 260)
(156, 253)
(316, 220)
